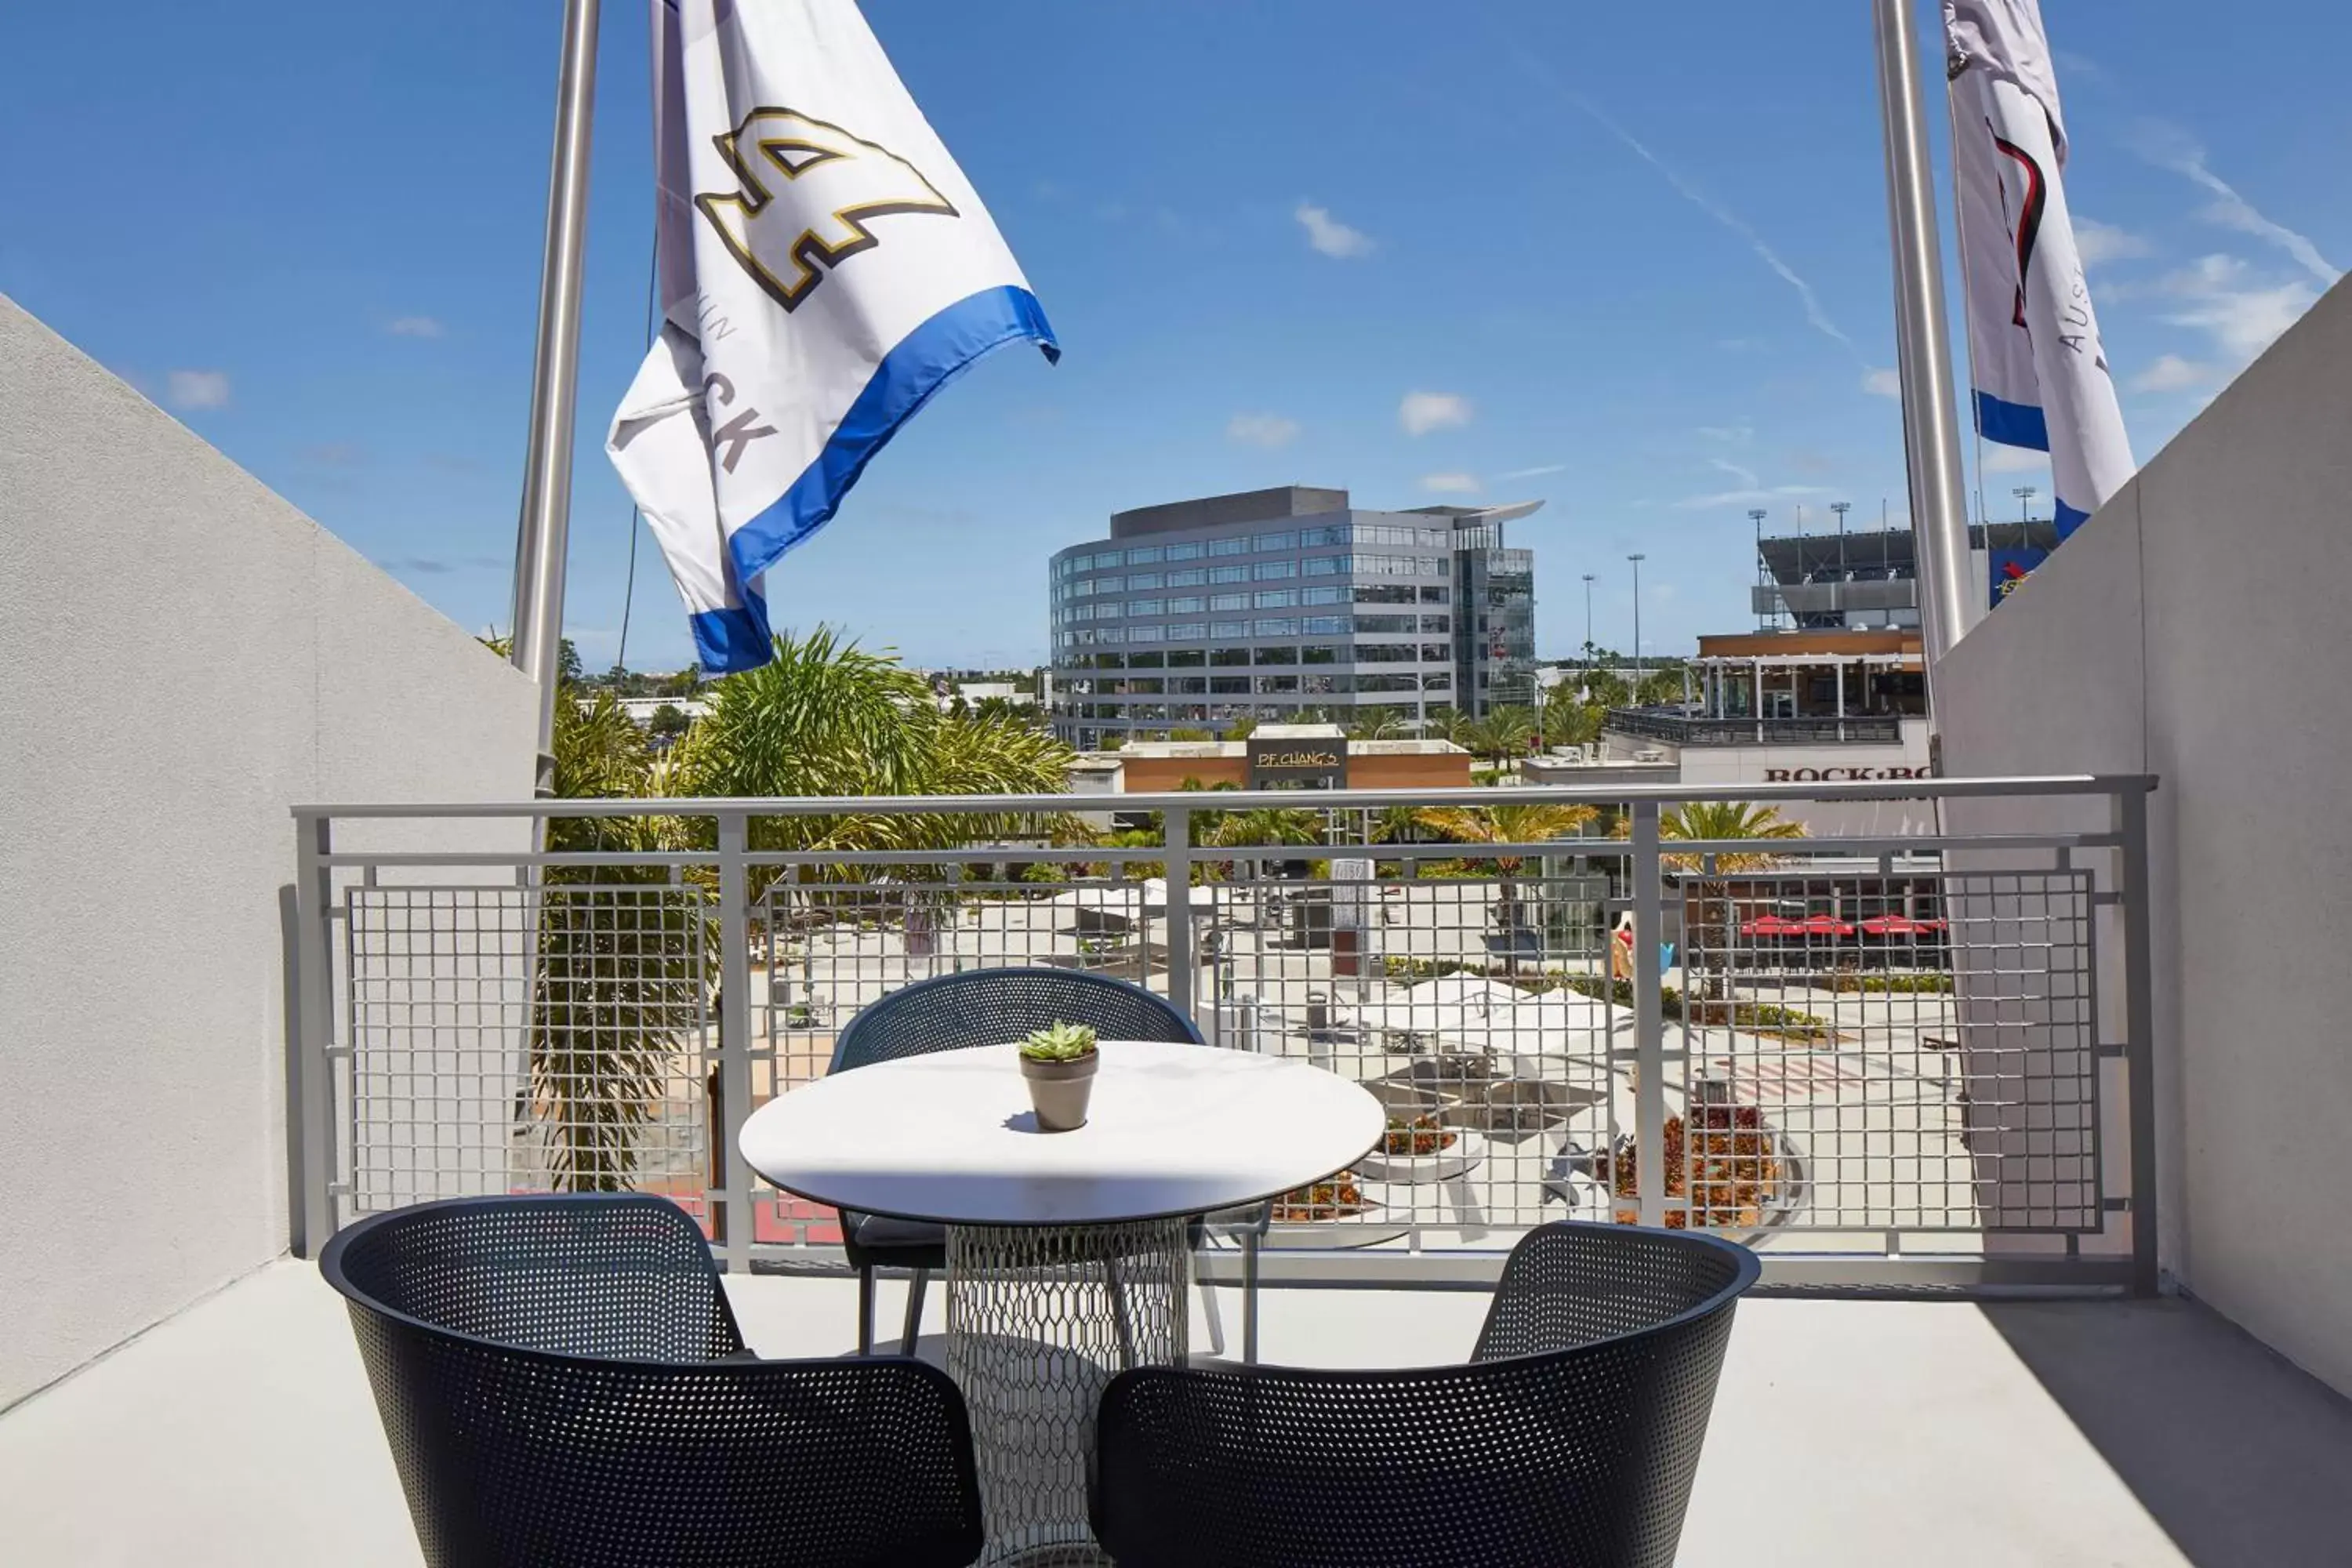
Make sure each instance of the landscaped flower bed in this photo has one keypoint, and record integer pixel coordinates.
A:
(1338, 1198)
(1732, 1179)
(1416, 1135)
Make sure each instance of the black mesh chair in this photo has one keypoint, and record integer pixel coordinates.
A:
(562, 1382)
(1569, 1441)
(988, 1007)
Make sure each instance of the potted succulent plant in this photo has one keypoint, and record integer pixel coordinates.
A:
(1059, 1062)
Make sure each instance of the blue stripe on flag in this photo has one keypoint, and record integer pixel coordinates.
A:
(2011, 424)
(729, 641)
(2069, 519)
(926, 360)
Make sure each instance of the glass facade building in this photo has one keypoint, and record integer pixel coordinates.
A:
(1286, 606)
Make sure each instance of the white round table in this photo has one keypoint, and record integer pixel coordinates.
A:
(1068, 1255)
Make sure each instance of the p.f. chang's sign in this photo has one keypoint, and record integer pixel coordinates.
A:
(1320, 763)
(1842, 775)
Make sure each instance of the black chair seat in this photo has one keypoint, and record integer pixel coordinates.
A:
(1568, 1441)
(874, 1240)
(563, 1381)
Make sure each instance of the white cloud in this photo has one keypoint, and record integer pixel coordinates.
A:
(2169, 147)
(2170, 373)
(1535, 473)
(2242, 319)
(415, 327)
(196, 389)
(1267, 430)
(1450, 484)
(1737, 434)
(1421, 412)
(2103, 242)
(1747, 477)
(2003, 459)
(1882, 382)
(1328, 235)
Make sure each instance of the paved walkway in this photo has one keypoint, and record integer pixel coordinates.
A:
(1863, 1433)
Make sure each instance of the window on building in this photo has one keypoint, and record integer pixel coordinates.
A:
(1276, 684)
(1433, 595)
(1190, 578)
(1439, 681)
(1144, 660)
(1229, 656)
(1186, 657)
(1188, 684)
(1267, 570)
(1382, 623)
(1146, 688)
(1311, 538)
(1320, 565)
(1229, 628)
(1151, 555)
(1279, 627)
(1323, 626)
(1274, 542)
(1235, 546)
(1111, 661)
(1110, 635)
(1143, 634)
(1320, 653)
(1187, 631)
(1229, 575)
(1437, 623)
(1229, 601)
(1184, 551)
(1327, 595)
(1277, 656)
(1385, 683)
(1142, 582)
(1228, 685)
(1146, 607)
(1383, 593)
(1186, 606)
(1277, 599)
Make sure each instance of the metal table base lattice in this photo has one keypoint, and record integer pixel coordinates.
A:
(1039, 1318)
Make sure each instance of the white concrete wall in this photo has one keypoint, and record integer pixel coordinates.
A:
(182, 656)
(1703, 765)
(2194, 629)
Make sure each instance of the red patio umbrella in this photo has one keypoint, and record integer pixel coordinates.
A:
(1826, 925)
(1900, 925)
(1771, 925)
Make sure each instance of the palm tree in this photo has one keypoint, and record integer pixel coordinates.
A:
(1706, 905)
(1240, 729)
(1384, 727)
(1661, 688)
(1568, 722)
(1520, 824)
(625, 958)
(1608, 689)
(1501, 735)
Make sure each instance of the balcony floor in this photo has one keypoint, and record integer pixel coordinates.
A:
(1846, 1431)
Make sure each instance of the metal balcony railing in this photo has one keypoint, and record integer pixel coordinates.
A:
(1916, 1060)
(1683, 730)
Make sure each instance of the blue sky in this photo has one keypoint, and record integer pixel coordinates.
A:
(1630, 260)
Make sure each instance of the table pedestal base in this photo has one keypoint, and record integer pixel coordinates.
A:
(1038, 1320)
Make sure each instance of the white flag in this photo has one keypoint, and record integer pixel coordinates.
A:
(825, 268)
(2041, 377)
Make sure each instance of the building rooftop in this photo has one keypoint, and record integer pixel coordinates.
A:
(1243, 506)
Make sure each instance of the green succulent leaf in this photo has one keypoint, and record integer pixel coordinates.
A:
(1059, 1043)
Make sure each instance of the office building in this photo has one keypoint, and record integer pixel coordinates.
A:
(1288, 606)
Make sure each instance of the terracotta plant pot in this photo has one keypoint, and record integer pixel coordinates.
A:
(1058, 1091)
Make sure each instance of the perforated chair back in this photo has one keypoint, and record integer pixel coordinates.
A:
(991, 1007)
(561, 1381)
(1571, 1441)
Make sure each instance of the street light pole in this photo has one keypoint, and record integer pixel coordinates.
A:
(1637, 558)
(2024, 494)
(1587, 628)
(1763, 578)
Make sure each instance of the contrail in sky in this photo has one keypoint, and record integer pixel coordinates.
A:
(1815, 316)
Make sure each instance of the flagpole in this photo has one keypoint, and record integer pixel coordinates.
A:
(1930, 417)
(543, 535)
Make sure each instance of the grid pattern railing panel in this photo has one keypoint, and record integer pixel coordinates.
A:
(1854, 1047)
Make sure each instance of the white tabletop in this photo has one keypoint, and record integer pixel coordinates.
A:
(1172, 1129)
